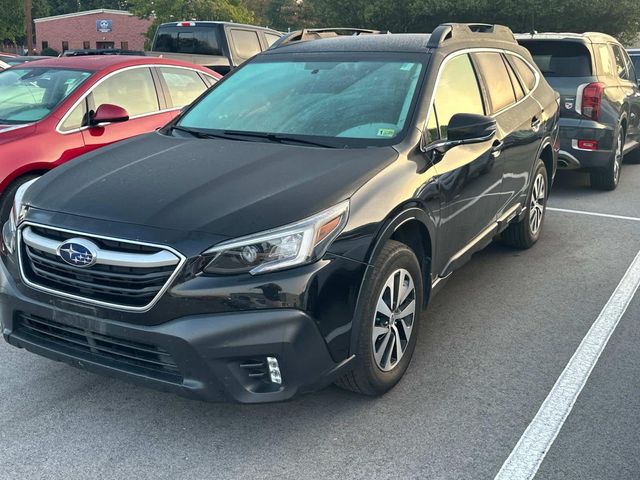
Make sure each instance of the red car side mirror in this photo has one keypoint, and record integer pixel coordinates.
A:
(107, 113)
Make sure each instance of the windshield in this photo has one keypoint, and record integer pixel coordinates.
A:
(368, 100)
(30, 94)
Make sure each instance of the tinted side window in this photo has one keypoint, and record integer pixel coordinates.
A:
(636, 63)
(556, 58)
(246, 43)
(497, 80)
(606, 59)
(184, 85)
(457, 92)
(527, 75)
(132, 90)
(517, 87)
(621, 63)
(271, 38)
(76, 118)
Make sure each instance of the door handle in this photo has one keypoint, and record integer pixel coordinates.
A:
(535, 124)
(496, 148)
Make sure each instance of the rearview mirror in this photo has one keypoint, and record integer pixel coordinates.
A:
(465, 129)
(107, 113)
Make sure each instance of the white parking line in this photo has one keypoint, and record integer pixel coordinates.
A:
(528, 454)
(594, 214)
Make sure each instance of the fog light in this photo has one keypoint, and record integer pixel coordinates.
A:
(274, 370)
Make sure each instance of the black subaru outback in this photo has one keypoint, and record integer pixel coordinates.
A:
(289, 228)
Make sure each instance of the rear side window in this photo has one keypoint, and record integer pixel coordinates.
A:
(457, 92)
(271, 38)
(635, 59)
(559, 58)
(184, 85)
(517, 87)
(527, 75)
(194, 40)
(497, 81)
(246, 43)
(132, 90)
(621, 62)
(607, 63)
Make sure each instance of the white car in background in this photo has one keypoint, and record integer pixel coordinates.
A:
(3, 66)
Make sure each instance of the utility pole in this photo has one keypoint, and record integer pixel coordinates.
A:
(28, 26)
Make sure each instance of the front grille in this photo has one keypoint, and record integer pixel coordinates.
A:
(127, 355)
(130, 285)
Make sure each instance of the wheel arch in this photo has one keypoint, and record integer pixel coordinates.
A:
(413, 227)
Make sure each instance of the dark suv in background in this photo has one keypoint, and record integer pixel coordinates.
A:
(600, 101)
(290, 227)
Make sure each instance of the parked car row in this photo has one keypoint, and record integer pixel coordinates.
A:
(287, 229)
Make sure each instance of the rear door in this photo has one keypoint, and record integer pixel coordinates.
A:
(629, 89)
(134, 90)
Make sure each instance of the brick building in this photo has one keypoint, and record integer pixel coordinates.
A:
(91, 29)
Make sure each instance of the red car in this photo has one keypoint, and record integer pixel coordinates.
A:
(56, 109)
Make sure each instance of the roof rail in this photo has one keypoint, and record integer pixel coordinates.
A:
(469, 31)
(308, 34)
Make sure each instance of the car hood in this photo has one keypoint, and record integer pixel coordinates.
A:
(224, 187)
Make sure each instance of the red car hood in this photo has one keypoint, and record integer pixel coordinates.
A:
(8, 133)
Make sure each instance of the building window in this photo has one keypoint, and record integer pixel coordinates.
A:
(65, 46)
(45, 45)
(86, 45)
(124, 45)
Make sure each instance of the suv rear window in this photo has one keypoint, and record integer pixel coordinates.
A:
(195, 40)
(559, 58)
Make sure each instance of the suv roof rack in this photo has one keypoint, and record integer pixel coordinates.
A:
(469, 31)
(308, 34)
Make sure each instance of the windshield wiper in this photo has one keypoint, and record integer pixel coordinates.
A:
(277, 138)
(203, 134)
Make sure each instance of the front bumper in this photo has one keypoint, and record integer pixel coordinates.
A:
(571, 157)
(209, 357)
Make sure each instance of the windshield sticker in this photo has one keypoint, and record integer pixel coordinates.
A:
(386, 132)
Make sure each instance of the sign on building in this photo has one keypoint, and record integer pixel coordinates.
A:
(104, 26)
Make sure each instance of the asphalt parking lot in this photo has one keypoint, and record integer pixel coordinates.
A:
(491, 348)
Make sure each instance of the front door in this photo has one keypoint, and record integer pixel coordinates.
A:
(104, 45)
(469, 176)
(135, 91)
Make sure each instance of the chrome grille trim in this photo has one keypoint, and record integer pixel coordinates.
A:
(104, 257)
(25, 234)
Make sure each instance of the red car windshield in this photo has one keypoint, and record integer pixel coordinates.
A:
(29, 94)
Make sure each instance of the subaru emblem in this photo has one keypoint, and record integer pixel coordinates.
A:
(78, 252)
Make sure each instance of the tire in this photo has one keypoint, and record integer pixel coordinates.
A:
(607, 178)
(379, 366)
(6, 201)
(526, 232)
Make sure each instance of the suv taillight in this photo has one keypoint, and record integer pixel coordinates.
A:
(592, 99)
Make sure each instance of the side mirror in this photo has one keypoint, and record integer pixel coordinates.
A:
(465, 129)
(107, 113)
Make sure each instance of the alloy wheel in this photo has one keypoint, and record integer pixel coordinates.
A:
(393, 319)
(536, 208)
(617, 159)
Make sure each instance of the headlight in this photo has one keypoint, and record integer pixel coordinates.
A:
(16, 216)
(284, 247)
